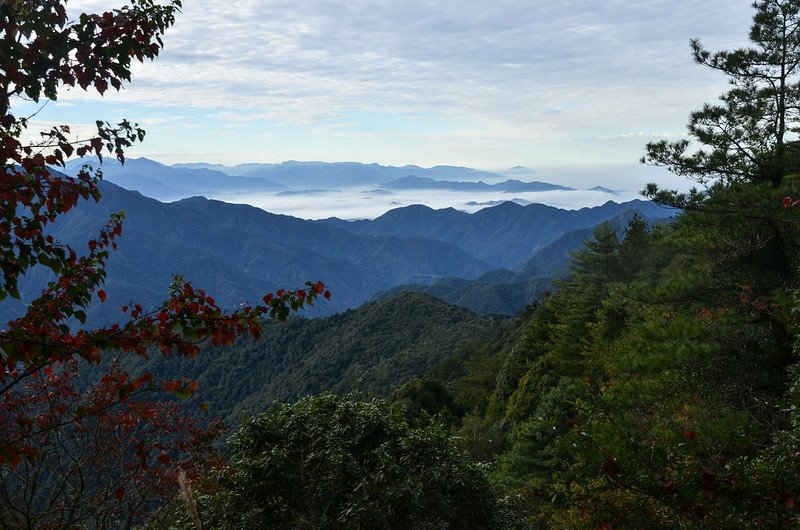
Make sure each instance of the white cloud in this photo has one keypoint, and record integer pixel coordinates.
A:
(513, 71)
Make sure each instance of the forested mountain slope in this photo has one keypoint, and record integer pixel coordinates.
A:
(372, 349)
(504, 235)
(657, 387)
(239, 252)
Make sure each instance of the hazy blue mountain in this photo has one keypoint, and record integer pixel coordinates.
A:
(238, 252)
(605, 190)
(504, 235)
(522, 202)
(166, 183)
(292, 178)
(505, 291)
(343, 174)
(497, 294)
(299, 175)
(413, 182)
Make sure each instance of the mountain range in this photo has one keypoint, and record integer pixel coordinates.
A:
(298, 179)
(489, 261)
(162, 182)
(412, 182)
(238, 252)
(169, 183)
(507, 291)
(504, 235)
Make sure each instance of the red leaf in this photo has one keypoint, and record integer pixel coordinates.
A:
(788, 502)
(610, 467)
(119, 493)
(101, 294)
(164, 459)
(171, 386)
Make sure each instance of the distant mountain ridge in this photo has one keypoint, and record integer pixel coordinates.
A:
(505, 291)
(311, 172)
(239, 252)
(179, 181)
(503, 235)
(162, 182)
(412, 182)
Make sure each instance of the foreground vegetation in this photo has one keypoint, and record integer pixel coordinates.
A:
(658, 387)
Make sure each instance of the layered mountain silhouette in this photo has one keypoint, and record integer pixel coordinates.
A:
(503, 235)
(340, 174)
(169, 183)
(158, 181)
(412, 182)
(506, 291)
(239, 252)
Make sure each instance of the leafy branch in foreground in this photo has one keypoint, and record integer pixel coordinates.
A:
(41, 51)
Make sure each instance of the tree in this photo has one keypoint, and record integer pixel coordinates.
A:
(745, 138)
(329, 462)
(41, 51)
(111, 468)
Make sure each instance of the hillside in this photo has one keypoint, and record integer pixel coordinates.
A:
(504, 235)
(239, 252)
(372, 349)
(658, 387)
(505, 291)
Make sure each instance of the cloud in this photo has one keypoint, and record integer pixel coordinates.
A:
(507, 70)
(640, 134)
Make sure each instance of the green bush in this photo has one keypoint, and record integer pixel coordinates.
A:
(330, 462)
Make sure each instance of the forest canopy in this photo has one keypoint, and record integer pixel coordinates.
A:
(658, 386)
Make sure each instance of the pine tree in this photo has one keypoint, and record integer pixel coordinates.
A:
(745, 137)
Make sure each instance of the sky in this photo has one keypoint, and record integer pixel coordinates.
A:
(491, 85)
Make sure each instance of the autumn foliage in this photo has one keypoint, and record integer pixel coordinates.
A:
(44, 418)
(89, 459)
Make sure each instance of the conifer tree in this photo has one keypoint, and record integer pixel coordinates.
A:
(747, 136)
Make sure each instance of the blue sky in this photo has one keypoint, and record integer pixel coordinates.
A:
(475, 83)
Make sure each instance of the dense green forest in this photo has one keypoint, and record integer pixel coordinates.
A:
(370, 350)
(657, 386)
